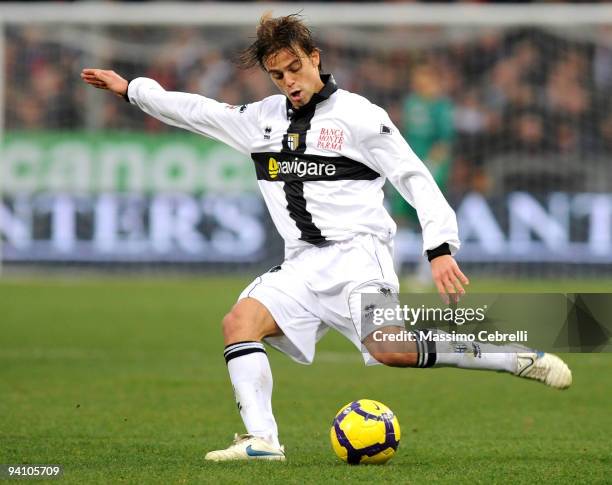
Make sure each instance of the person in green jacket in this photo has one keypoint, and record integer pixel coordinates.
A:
(428, 127)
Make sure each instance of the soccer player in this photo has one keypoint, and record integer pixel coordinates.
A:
(321, 156)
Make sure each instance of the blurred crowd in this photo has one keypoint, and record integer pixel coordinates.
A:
(461, 101)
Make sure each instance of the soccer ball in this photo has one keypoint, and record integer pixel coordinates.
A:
(365, 431)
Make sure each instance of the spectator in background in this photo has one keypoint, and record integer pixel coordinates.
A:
(39, 94)
(477, 58)
(568, 101)
(498, 84)
(477, 128)
(528, 134)
(428, 123)
(605, 135)
(565, 88)
(602, 62)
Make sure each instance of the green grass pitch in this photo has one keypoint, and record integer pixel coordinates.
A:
(123, 381)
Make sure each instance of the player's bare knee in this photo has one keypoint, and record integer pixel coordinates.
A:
(248, 320)
(227, 325)
(236, 327)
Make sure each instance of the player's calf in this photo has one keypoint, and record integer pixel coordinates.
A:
(391, 351)
(396, 359)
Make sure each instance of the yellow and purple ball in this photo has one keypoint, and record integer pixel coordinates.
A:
(365, 431)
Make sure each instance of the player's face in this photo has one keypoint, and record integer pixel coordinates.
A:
(297, 77)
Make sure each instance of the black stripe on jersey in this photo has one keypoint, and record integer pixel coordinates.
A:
(296, 205)
(294, 189)
(294, 145)
(284, 167)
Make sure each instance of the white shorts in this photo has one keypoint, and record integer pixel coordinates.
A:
(320, 288)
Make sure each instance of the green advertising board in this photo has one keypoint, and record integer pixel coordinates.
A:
(90, 163)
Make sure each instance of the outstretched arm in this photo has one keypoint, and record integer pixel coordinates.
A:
(235, 126)
(103, 79)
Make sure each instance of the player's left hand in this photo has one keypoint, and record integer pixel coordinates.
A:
(448, 278)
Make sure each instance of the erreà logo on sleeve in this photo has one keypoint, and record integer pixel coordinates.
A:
(300, 168)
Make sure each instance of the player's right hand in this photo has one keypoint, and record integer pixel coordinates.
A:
(448, 278)
(103, 79)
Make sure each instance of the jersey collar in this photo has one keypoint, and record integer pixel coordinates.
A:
(329, 88)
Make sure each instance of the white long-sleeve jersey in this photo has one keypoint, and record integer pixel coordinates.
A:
(321, 168)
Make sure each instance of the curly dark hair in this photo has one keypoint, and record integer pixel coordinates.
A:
(276, 34)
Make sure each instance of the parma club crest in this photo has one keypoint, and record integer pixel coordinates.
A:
(293, 141)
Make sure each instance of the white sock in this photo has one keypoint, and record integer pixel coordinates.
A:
(251, 376)
(467, 355)
(475, 358)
